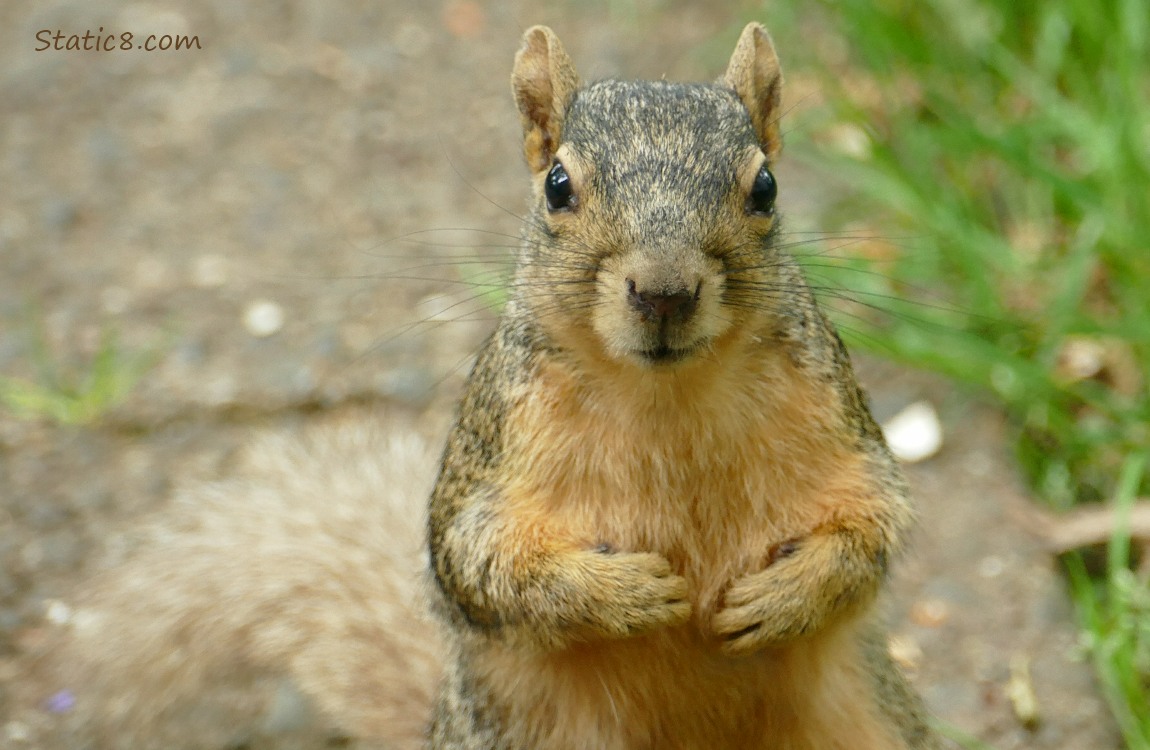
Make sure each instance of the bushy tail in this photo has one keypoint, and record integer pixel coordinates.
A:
(303, 573)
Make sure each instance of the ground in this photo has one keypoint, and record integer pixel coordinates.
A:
(274, 222)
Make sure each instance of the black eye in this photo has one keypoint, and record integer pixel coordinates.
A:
(558, 191)
(763, 192)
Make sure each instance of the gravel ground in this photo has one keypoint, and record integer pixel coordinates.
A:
(278, 222)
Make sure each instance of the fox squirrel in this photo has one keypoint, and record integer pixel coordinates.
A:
(662, 518)
(665, 512)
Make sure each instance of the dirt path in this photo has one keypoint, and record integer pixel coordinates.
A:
(277, 218)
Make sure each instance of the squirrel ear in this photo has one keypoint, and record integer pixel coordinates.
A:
(544, 82)
(755, 75)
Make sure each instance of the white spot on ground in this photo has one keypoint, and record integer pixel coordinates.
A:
(58, 613)
(915, 433)
(262, 318)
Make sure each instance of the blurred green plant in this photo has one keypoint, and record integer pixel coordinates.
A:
(75, 394)
(1115, 613)
(960, 738)
(1010, 142)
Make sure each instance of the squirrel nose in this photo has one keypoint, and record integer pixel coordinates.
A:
(661, 305)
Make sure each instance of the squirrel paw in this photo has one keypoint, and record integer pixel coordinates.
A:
(629, 592)
(767, 607)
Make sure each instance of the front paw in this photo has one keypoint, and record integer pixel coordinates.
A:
(767, 607)
(628, 593)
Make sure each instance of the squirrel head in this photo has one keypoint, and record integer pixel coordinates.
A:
(651, 232)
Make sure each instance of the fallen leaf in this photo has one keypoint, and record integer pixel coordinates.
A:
(1020, 691)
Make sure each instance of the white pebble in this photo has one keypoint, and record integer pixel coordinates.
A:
(16, 731)
(905, 651)
(852, 141)
(58, 613)
(1082, 358)
(263, 318)
(915, 433)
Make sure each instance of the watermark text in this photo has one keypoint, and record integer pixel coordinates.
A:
(57, 41)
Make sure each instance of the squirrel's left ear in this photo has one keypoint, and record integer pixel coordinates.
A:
(755, 75)
(544, 82)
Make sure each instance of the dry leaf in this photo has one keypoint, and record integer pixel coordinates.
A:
(1020, 691)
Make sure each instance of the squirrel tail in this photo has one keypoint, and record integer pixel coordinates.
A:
(302, 575)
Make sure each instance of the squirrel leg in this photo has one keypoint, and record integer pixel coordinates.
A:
(807, 584)
(512, 575)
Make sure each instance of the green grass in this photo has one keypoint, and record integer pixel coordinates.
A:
(997, 154)
(75, 394)
(1115, 614)
(960, 738)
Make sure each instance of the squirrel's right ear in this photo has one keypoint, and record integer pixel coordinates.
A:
(755, 75)
(544, 82)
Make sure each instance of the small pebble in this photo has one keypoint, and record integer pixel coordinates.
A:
(930, 613)
(57, 612)
(852, 141)
(991, 566)
(915, 433)
(1081, 358)
(15, 731)
(262, 318)
(905, 651)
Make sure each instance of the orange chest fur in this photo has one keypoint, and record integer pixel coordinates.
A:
(709, 474)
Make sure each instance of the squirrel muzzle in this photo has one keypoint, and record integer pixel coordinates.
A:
(658, 307)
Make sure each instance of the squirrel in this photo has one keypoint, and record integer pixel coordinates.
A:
(662, 519)
(665, 512)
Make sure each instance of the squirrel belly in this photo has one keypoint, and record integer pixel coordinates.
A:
(600, 474)
(671, 690)
(711, 468)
